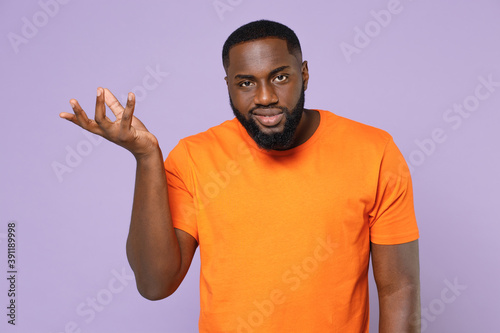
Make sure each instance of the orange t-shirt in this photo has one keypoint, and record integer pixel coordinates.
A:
(285, 236)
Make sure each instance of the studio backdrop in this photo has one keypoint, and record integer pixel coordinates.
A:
(428, 72)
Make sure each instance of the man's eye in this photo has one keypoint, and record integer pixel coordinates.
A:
(245, 84)
(280, 78)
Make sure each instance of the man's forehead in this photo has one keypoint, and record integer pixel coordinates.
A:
(258, 53)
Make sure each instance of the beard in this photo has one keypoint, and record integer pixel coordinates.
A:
(273, 141)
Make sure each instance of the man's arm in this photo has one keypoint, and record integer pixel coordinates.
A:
(158, 254)
(397, 274)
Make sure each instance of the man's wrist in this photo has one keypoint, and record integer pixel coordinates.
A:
(152, 156)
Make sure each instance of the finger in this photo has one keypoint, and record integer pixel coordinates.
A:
(80, 115)
(113, 103)
(100, 110)
(67, 116)
(128, 114)
(80, 118)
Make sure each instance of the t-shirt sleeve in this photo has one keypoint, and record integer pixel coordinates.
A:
(180, 190)
(392, 219)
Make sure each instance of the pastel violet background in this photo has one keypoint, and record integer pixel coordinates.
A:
(71, 194)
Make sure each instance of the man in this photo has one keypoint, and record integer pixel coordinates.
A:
(286, 204)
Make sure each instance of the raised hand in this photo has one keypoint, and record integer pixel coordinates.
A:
(126, 131)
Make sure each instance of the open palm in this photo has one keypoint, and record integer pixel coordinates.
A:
(126, 131)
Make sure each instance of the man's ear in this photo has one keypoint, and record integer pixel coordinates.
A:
(225, 78)
(305, 74)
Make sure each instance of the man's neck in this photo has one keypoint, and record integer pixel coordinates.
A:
(307, 126)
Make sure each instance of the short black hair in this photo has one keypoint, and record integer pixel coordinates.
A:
(257, 30)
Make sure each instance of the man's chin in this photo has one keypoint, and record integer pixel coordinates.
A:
(269, 137)
(272, 140)
(270, 130)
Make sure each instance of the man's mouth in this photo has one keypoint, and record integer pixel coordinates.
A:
(268, 117)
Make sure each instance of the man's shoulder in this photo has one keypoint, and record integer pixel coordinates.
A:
(351, 130)
(215, 139)
(228, 130)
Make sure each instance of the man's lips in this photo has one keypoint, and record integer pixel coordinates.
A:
(266, 112)
(269, 120)
(268, 117)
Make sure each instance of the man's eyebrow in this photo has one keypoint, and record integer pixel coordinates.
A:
(243, 76)
(277, 70)
(274, 71)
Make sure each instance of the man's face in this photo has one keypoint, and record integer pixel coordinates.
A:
(266, 87)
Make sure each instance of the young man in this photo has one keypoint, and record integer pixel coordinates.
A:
(286, 204)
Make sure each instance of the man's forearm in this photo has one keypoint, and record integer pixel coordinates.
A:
(397, 273)
(152, 246)
(400, 309)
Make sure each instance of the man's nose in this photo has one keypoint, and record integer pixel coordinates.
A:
(265, 95)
